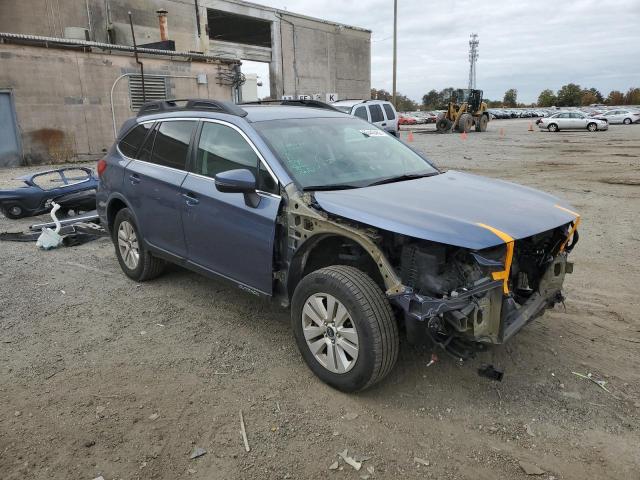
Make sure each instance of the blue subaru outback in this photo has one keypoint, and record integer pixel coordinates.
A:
(361, 236)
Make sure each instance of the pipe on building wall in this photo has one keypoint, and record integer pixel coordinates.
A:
(295, 65)
(163, 22)
(108, 46)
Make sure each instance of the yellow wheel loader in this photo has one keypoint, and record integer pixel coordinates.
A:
(465, 111)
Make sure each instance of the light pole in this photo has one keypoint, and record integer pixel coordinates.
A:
(395, 48)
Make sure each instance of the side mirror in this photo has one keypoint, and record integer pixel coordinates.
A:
(239, 181)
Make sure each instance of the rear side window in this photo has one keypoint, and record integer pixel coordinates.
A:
(361, 112)
(388, 109)
(130, 144)
(172, 143)
(376, 113)
(147, 147)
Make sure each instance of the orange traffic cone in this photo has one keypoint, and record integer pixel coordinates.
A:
(463, 135)
(410, 136)
(531, 126)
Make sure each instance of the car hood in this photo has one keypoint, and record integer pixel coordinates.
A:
(449, 208)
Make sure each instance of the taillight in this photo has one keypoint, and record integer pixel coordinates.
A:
(101, 166)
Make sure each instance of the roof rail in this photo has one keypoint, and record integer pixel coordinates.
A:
(205, 104)
(298, 103)
(363, 100)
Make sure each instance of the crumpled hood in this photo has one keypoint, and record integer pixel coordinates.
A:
(447, 208)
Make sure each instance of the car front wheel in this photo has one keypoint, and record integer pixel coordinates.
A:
(592, 127)
(13, 211)
(627, 121)
(553, 127)
(134, 259)
(344, 327)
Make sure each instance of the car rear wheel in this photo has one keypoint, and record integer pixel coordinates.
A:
(13, 211)
(627, 121)
(592, 127)
(134, 259)
(552, 127)
(344, 327)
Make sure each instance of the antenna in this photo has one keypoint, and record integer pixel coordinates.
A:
(473, 58)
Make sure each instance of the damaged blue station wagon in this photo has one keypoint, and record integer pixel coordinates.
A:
(361, 236)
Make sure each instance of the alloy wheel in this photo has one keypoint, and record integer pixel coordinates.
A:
(128, 245)
(330, 332)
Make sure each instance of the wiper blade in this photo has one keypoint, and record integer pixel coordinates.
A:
(329, 187)
(401, 178)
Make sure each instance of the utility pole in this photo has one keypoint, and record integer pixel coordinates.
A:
(473, 58)
(395, 48)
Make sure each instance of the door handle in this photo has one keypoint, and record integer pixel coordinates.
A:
(384, 124)
(190, 199)
(135, 179)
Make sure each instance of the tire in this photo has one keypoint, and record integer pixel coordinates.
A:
(592, 127)
(553, 127)
(147, 266)
(443, 125)
(627, 121)
(481, 123)
(465, 122)
(367, 319)
(14, 211)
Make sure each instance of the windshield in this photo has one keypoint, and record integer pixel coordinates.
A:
(340, 152)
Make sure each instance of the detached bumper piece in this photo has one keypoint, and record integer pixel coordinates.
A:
(461, 324)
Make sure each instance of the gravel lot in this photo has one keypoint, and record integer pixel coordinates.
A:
(103, 376)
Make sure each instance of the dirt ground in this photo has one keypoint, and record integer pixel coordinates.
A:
(103, 376)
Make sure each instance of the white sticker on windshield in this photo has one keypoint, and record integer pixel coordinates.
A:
(373, 133)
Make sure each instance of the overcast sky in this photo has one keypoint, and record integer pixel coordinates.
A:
(527, 45)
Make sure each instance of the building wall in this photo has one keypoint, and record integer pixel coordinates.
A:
(62, 97)
(307, 55)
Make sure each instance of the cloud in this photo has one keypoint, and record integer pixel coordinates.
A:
(529, 46)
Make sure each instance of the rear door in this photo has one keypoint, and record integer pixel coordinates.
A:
(153, 185)
(578, 120)
(223, 234)
(392, 117)
(377, 116)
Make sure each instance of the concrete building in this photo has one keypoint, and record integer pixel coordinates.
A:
(68, 73)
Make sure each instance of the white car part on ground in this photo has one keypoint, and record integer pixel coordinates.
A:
(49, 239)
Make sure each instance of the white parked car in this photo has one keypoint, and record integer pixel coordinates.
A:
(620, 115)
(572, 121)
(379, 112)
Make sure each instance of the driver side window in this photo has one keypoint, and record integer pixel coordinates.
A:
(222, 148)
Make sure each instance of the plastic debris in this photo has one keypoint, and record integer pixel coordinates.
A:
(243, 431)
(197, 452)
(153, 416)
(491, 372)
(421, 461)
(350, 416)
(49, 239)
(349, 460)
(530, 468)
(334, 466)
(600, 383)
(434, 359)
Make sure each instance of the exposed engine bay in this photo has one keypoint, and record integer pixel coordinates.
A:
(458, 298)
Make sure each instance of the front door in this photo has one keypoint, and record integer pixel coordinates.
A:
(223, 234)
(9, 142)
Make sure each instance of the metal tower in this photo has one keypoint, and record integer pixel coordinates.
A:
(473, 58)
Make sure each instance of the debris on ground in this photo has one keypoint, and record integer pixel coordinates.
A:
(350, 416)
(49, 239)
(421, 461)
(243, 431)
(99, 478)
(17, 413)
(434, 359)
(197, 452)
(530, 468)
(334, 466)
(153, 416)
(191, 471)
(349, 460)
(601, 383)
(527, 427)
(491, 372)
